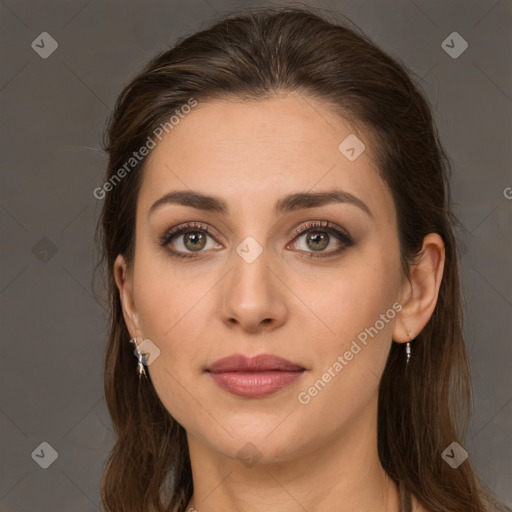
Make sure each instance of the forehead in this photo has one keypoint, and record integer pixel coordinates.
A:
(258, 150)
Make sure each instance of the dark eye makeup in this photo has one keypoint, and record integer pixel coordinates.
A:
(316, 227)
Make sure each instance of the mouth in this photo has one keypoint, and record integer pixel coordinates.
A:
(254, 377)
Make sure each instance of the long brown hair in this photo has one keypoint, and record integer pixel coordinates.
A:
(253, 55)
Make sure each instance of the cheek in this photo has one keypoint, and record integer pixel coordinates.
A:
(166, 297)
(169, 311)
(354, 298)
(347, 372)
(359, 313)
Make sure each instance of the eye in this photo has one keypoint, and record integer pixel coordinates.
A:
(191, 237)
(318, 235)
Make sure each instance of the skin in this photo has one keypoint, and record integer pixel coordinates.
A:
(319, 456)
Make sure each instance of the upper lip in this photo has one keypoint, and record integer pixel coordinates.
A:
(259, 363)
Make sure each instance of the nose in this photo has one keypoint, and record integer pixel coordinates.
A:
(254, 295)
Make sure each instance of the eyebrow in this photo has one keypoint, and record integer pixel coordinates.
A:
(287, 204)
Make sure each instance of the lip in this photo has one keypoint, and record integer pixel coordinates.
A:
(254, 377)
(259, 363)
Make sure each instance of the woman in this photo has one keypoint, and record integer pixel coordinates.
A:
(281, 260)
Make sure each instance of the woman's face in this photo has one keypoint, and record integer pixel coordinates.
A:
(260, 283)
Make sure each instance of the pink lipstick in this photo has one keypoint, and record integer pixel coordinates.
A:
(254, 377)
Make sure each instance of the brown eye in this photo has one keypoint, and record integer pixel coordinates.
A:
(194, 240)
(317, 241)
(318, 236)
(184, 241)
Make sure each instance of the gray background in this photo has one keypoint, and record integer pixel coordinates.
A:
(54, 110)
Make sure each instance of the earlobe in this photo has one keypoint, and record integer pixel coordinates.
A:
(124, 285)
(419, 294)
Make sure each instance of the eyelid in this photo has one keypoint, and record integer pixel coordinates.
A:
(319, 224)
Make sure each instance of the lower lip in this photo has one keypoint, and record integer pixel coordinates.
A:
(255, 384)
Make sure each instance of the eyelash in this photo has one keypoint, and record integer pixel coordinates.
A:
(322, 226)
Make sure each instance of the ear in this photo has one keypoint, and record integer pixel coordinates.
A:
(418, 295)
(124, 282)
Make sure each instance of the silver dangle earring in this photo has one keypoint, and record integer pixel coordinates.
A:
(408, 352)
(141, 369)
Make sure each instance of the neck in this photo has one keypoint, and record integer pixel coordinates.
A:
(343, 473)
